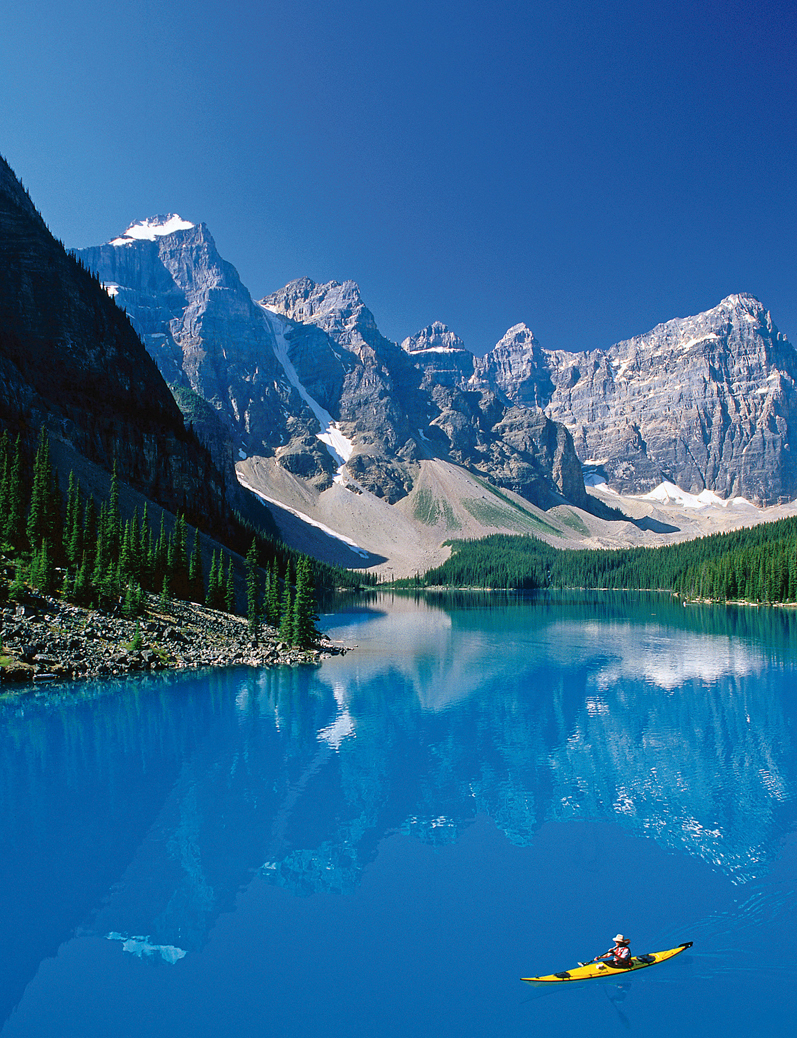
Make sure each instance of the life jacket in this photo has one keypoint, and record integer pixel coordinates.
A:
(622, 955)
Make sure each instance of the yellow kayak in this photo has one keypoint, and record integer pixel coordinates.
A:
(593, 970)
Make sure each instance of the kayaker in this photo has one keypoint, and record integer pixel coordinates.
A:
(620, 955)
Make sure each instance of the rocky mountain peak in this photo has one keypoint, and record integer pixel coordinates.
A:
(436, 336)
(336, 308)
(517, 368)
(307, 302)
(199, 323)
(519, 335)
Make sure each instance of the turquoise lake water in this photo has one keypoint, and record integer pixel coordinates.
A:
(483, 789)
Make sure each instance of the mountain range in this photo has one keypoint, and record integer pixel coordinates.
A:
(373, 453)
(337, 426)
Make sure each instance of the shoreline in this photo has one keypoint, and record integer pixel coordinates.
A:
(45, 639)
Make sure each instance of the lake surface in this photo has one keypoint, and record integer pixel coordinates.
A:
(484, 789)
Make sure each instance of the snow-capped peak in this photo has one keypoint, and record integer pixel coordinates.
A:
(154, 227)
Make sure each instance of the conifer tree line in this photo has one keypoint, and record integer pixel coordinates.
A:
(90, 556)
(754, 564)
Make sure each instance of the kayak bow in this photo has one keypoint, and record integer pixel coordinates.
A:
(593, 970)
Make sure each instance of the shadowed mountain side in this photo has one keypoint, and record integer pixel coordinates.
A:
(655, 525)
(319, 543)
(70, 358)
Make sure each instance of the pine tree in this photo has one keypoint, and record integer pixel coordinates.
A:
(97, 579)
(196, 578)
(90, 532)
(15, 508)
(42, 570)
(101, 552)
(5, 466)
(81, 590)
(145, 551)
(252, 605)
(126, 553)
(229, 591)
(273, 595)
(286, 610)
(113, 521)
(161, 554)
(212, 592)
(134, 548)
(178, 556)
(132, 600)
(73, 522)
(39, 525)
(304, 629)
(18, 589)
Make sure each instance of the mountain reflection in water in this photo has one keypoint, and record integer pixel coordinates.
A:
(139, 811)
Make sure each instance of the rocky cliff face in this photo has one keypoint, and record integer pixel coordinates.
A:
(703, 402)
(283, 372)
(207, 335)
(201, 326)
(400, 404)
(517, 368)
(339, 353)
(517, 447)
(69, 357)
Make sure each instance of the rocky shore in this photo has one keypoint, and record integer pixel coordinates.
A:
(45, 639)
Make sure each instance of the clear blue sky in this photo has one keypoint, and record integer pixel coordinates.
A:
(590, 168)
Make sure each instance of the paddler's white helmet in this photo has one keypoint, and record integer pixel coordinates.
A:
(619, 939)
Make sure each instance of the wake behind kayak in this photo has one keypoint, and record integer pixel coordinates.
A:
(594, 970)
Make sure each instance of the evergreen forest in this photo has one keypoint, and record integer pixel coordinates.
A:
(85, 552)
(755, 564)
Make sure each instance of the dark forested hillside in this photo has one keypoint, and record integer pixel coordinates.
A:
(758, 564)
(70, 359)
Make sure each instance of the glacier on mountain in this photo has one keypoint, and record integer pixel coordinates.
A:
(154, 227)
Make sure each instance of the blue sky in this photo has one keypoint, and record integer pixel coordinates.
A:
(590, 168)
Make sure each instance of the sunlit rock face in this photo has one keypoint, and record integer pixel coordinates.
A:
(517, 368)
(398, 404)
(393, 405)
(704, 402)
(440, 357)
(200, 324)
(340, 354)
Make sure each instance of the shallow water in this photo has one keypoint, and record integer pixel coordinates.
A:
(486, 788)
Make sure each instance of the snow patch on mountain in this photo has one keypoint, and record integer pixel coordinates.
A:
(435, 338)
(669, 494)
(152, 228)
(336, 443)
